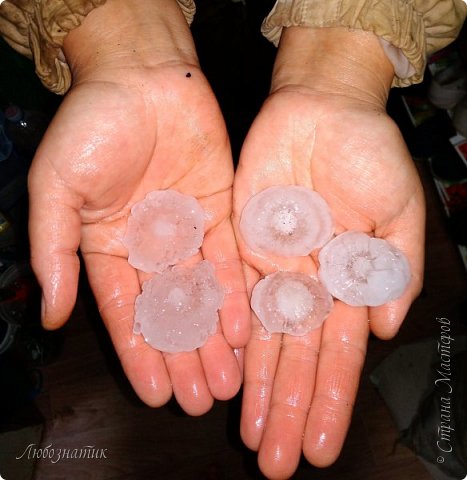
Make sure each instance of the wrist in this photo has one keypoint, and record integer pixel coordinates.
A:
(335, 61)
(129, 34)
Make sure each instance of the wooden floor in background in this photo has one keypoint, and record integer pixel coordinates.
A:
(87, 401)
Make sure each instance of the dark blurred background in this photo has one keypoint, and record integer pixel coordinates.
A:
(67, 389)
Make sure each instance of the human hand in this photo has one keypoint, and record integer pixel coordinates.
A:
(324, 126)
(139, 117)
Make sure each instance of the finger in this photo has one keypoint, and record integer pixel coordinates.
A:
(220, 248)
(54, 229)
(261, 359)
(240, 357)
(408, 234)
(281, 445)
(252, 277)
(115, 285)
(189, 382)
(341, 358)
(220, 367)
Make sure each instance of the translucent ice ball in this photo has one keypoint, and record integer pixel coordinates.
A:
(292, 303)
(178, 310)
(164, 228)
(362, 270)
(286, 220)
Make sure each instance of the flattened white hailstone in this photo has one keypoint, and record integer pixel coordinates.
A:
(286, 220)
(178, 310)
(292, 303)
(362, 270)
(165, 227)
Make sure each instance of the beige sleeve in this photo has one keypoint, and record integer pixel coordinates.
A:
(36, 28)
(409, 30)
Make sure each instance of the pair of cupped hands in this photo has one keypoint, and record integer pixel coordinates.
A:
(134, 122)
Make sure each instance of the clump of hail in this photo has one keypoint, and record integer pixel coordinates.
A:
(353, 267)
(178, 307)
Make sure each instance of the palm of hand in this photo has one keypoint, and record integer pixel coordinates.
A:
(299, 391)
(108, 146)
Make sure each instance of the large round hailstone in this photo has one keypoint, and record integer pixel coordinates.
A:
(178, 310)
(164, 228)
(288, 302)
(362, 270)
(286, 220)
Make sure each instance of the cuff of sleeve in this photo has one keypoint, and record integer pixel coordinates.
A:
(37, 28)
(188, 8)
(408, 32)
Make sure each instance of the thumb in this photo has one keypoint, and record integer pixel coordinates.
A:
(54, 231)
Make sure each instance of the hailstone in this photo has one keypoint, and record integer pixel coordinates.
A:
(286, 220)
(164, 228)
(289, 302)
(362, 270)
(178, 309)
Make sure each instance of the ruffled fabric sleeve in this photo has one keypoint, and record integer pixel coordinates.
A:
(409, 30)
(37, 28)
